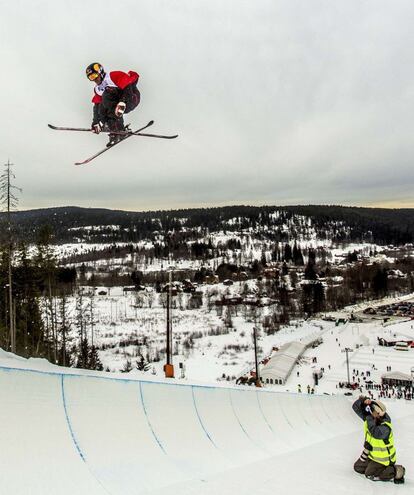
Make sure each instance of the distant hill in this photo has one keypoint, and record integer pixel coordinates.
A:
(69, 224)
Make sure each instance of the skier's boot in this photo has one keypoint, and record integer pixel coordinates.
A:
(113, 139)
(399, 474)
(115, 125)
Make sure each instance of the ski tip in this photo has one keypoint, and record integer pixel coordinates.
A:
(51, 126)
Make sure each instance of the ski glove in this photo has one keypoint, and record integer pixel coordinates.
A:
(97, 128)
(120, 109)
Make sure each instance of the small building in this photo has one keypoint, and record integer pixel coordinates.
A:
(212, 279)
(130, 288)
(278, 368)
(229, 300)
(397, 378)
(402, 346)
(340, 321)
(188, 286)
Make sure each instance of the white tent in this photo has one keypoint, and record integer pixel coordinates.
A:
(279, 367)
(397, 378)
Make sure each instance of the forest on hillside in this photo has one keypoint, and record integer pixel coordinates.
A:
(338, 223)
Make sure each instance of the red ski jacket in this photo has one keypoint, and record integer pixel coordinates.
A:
(115, 79)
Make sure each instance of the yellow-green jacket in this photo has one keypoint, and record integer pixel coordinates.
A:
(381, 450)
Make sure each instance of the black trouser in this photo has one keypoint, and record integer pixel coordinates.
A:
(105, 111)
(374, 469)
(132, 97)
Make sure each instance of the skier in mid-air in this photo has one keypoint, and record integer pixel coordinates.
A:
(115, 94)
(378, 459)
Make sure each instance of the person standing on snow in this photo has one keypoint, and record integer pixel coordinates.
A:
(378, 458)
(115, 93)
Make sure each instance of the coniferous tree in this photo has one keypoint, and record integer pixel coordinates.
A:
(310, 272)
(297, 255)
(83, 354)
(30, 338)
(81, 326)
(46, 262)
(380, 281)
(263, 258)
(287, 253)
(142, 364)
(311, 256)
(127, 366)
(64, 331)
(94, 362)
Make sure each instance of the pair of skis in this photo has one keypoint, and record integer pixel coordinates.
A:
(124, 134)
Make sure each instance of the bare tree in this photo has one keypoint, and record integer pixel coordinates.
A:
(9, 202)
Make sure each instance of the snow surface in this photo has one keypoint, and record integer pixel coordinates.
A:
(67, 432)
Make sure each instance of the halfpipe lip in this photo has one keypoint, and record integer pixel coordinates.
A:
(74, 372)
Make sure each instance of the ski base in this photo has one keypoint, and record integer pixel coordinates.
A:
(107, 148)
(125, 134)
(115, 133)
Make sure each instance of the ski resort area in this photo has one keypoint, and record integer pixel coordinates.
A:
(220, 362)
(97, 432)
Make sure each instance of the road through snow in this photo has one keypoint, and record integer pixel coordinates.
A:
(67, 434)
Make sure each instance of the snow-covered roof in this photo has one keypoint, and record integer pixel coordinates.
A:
(397, 375)
(280, 365)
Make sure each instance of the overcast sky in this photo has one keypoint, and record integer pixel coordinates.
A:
(274, 101)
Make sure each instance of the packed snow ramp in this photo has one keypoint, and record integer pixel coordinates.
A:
(78, 434)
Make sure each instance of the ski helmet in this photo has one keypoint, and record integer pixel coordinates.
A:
(94, 71)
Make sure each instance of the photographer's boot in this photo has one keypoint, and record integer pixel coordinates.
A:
(399, 473)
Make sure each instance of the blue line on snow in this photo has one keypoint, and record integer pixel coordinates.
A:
(129, 380)
(262, 412)
(284, 414)
(68, 421)
(149, 422)
(199, 419)
(242, 427)
(238, 420)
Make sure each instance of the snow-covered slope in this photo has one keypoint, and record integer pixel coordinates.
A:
(71, 433)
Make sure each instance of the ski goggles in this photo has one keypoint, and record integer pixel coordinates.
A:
(92, 76)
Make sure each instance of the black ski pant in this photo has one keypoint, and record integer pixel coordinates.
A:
(374, 469)
(105, 110)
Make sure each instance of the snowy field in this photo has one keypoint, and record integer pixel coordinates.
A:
(207, 340)
(214, 345)
(209, 348)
